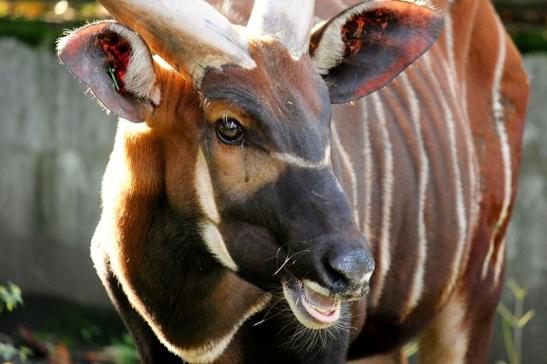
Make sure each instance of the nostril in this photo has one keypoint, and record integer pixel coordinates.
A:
(338, 278)
(355, 267)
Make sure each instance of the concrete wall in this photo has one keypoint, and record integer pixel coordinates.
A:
(54, 144)
(527, 239)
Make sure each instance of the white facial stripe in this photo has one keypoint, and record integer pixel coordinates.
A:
(204, 189)
(299, 162)
(212, 237)
(209, 231)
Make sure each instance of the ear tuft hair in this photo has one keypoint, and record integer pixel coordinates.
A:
(366, 46)
(116, 64)
(140, 78)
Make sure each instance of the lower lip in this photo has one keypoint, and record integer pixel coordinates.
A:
(308, 314)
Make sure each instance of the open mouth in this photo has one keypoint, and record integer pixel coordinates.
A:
(311, 304)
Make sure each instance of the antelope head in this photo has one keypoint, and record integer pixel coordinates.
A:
(242, 117)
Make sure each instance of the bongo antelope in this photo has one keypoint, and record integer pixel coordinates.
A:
(257, 207)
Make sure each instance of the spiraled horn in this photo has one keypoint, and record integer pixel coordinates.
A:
(190, 35)
(289, 21)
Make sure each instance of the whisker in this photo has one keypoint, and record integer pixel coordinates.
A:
(288, 259)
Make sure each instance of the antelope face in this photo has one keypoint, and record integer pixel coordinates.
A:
(251, 111)
(282, 214)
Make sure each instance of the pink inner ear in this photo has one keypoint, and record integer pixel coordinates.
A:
(359, 30)
(117, 51)
(352, 32)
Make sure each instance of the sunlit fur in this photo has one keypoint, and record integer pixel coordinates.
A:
(421, 170)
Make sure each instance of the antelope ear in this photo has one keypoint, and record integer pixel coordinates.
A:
(363, 48)
(117, 66)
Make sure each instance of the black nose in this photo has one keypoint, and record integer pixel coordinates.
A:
(350, 268)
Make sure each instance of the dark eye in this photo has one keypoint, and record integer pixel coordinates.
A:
(230, 131)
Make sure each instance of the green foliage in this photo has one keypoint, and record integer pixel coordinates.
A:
(410, 349)
(90, 332)
(10, 352)
(39, 32)
(531, 41)
(10, 297)
(34, 32)
(513, 323)
(123, 351)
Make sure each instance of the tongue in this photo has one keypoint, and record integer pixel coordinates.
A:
(322, 308)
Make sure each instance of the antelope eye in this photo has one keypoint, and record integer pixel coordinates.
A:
(229, 131)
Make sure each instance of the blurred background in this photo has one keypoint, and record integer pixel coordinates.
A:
(54, 145)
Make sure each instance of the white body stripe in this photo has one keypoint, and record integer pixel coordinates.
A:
(348, 165)
(448, 32)
(368, 161)
(500, 258)
(460, 207)
(504, 144)
(417, 283)
(473, 165)
(500, 126)
(474, 170)
(382, 267)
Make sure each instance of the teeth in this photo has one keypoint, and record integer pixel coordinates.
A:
(313, 309)
(317, 288)
(321, 309)
(325, 311)
(324, 315)
(318, 299)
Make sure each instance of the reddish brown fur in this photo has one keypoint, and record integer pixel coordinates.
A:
(160, 160)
